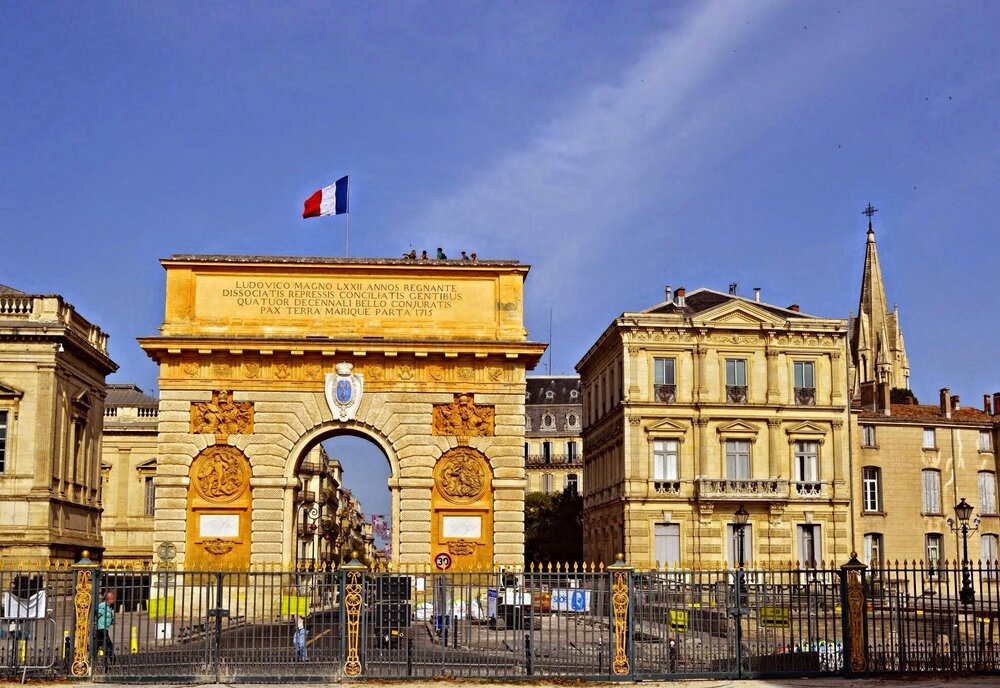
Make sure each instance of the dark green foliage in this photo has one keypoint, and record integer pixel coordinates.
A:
(553, 527)
(898, 395)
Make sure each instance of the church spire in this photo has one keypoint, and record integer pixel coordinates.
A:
(877, 349)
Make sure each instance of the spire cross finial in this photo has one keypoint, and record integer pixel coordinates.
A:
(869, 211)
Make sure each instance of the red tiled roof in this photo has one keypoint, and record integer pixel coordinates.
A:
(930, 413)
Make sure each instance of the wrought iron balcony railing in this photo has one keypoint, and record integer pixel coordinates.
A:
(310, 468)
(765, 489)
(665, 393)
(805, 396)
(736, 394)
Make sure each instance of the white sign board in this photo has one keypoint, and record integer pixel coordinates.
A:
(570, 600)
(470, 527)
(219, 525)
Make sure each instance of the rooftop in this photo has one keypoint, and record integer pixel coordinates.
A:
(928, 413)
(128, 395)
(336, 260)
(561, 386)
(704, 299)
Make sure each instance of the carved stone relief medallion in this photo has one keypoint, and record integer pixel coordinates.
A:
(461, 548)
(436, 372)
(221, 473)
(463, 418)
(375, 372)
(221, 416)
(462, 475)
(218, 546)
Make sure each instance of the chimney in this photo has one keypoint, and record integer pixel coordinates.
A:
(680, 297)
(996, 403)
(756, 294)
(986, 405)
(794, 307)
(945, 405)
(955, 405)
(883, 399)
(669, 293)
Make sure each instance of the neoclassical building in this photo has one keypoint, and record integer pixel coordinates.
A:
(553, 441)
(705, 402)
(53, 363)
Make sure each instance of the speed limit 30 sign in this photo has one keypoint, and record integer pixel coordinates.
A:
(443, 561)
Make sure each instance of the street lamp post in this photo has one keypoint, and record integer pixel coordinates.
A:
(740, 518)
(963, 512)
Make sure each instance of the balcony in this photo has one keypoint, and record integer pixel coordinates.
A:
(667, 487)
(805, 396)
(534, 460)
(665, 393)
(807, 489)
(305, 496)
(310, 468)
(736, 394)
(769, 489)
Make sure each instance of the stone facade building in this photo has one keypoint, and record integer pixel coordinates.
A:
(702, 403)
(53, 363)
(912, 463)
(553, 442)
(128, 467)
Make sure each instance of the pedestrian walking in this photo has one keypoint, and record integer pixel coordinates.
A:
(105, 619)
(299, 639)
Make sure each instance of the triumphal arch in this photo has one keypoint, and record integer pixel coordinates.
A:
(261, 358)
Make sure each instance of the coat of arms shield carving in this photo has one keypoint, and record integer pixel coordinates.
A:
(343, 391)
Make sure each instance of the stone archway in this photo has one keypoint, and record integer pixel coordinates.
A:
(266, 356)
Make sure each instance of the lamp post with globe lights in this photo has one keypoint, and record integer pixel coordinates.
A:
(740, 518)
(960, 525)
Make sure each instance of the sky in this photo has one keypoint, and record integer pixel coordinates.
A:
(614, 147)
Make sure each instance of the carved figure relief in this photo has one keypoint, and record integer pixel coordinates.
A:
(463, 418)
(222, 370)
(466, 373)
(220, 473)
(221, 416)
(191, 369)
(462, 474)
(218, 546)
(251, 370)
(495, 373)
(460, 548)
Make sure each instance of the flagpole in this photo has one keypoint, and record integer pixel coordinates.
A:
(347, 233)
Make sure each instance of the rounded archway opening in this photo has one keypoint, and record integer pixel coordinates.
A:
(342, 501)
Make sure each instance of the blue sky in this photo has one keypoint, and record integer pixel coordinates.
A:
(615, 147)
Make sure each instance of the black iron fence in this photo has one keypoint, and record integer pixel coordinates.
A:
(275, 624)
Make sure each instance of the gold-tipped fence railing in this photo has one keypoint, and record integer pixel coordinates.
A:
(552, 620)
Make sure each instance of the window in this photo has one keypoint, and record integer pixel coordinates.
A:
(573, 482)
(549, 395)
(547, 483)
(985, 441)
(989, 545)
(547, 452)
(3, 441)
(805, 385)
(665, 461)
(571, 420)
(807, 462)
(987, 493)
(149, 503)
(738, 459)
(571, 450)
(664, 384)
(733, 555)
(547, 421)
(574, 393)
(667, 543)
(932, 491)
(933, 547)
(526, 447)
(929, 440)
(868, 436)
(809, 545)
(736, 381)
(871, 488)
(873, 550)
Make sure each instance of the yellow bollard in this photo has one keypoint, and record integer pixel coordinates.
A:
(133, 646)
(22, 650)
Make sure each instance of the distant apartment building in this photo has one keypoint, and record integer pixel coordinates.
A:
(128, 470)
(553, 442)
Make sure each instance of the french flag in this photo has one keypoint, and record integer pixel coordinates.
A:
(330, 200)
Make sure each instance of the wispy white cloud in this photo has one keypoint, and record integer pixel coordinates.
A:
(551, 200)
